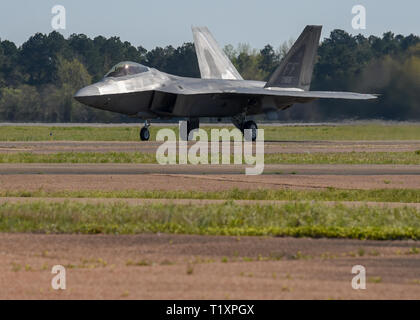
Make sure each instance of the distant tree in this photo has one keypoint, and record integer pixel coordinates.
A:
(10, 68)
(38, 57)
(183, 61)
(269, 59)
(20, 104)
(38, 79)
(284, 48)
(87, 53)
(3, 66)
(230, 52)
(158, 57)
(247, 62)
(72, 75)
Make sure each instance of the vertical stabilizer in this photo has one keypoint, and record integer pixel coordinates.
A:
(213, 62)
(295, 70)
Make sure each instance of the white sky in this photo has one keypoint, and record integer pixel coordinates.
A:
(159, 23)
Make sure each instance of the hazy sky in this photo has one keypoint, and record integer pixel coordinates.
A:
(159, 23)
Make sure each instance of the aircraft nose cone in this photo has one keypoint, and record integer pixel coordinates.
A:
(84, 94)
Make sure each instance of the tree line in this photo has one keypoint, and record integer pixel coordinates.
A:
(39, 78)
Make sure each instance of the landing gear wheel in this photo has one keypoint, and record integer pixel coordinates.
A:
(192, 124)
(250, 125)
(144, 134)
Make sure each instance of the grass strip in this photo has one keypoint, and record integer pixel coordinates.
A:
(292, 219)
(78, 157)
(329, 194)
(131, 133)
(395, 158)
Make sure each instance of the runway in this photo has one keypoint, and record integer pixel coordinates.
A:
(151, 146)
(165, 266)
(172, 266)
(137, 169)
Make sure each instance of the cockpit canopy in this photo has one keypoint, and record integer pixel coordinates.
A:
(126, 68)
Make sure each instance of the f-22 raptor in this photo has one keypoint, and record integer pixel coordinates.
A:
(136, 90)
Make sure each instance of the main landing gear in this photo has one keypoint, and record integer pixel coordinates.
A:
(240, 123)
(192, 124)
(144, 132)
(252, 135)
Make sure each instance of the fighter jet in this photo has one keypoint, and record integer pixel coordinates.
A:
(139, 91)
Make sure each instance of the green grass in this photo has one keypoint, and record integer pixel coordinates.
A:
(344, 158)
(276, 158)
(131, 133)
(41, 133)
(345, 132)
(292, 219)
(79, 157)
(330, 194)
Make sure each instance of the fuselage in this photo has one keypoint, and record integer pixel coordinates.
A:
(153, 93)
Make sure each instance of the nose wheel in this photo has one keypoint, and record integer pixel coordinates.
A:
(145, 132)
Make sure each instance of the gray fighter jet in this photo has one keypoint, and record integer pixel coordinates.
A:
(136, 90)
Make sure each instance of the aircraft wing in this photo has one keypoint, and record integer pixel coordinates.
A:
(305, 94)
(301, 95)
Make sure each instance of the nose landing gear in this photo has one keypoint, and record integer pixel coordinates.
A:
(144, 132)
